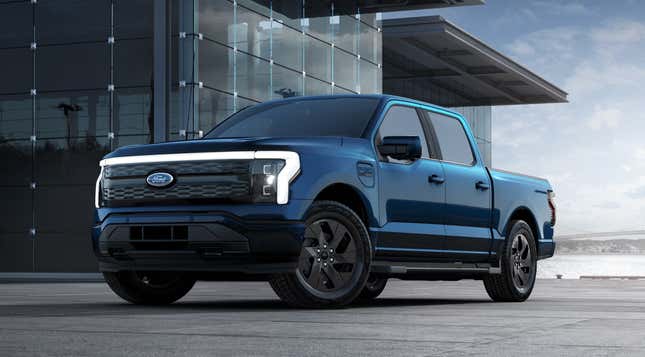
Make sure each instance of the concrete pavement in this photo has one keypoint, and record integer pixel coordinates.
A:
(563, 317)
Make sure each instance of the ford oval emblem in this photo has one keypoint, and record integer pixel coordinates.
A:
(160, 179)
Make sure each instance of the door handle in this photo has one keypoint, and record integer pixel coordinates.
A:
(481, 185)
(436, 179)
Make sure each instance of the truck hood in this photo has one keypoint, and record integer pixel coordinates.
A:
(297, 144)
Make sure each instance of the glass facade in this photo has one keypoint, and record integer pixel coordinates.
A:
(76, 84)
(231, 54)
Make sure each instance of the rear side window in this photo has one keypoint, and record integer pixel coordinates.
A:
(452, 139)
(402, 121)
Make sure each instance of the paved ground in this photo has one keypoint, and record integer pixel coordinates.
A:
(563, 317)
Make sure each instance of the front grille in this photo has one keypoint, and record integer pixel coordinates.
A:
(196, 181)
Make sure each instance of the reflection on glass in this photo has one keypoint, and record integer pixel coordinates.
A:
(317, 58)
(287, 46)
(369, 77)
(16, 157)
(216, 65)
(72, 115)
(369, 41)
(15, 209)
(133, 18)
(345, 69)
(67, 21)
(344, 32)
(16, 77)
(286, 83)
(253, 77)
(216, 20)
(16, 24)
(316, 87)
(253, 33)
(133, 112)
(77, 66)
(56, 163)
(133, 63)
(214, 106)
(15, 117)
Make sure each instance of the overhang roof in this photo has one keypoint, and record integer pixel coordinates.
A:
(318, 8)
(430, 59)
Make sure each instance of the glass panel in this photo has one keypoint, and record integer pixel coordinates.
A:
(369, 75)
(253, 77)
(214, 107)
(17, 77)
(16, 159)
(133, 18)
(402, 121)
(317, 58)
(75, 247)
(132, 112)
(125, 140)
(286, 83)
(78, 66)
(15, 210)
(344, 69)
(316, 87)
(133, 63)
(452, 138)
(287, 46)
(77, 215)
(58, 162)
(67, 21)
(339, 90)
(16, 251)
(318, 25)
(369, 42)
(77, 114)
(253, 33)
(15, 117)
(344, 32)
(216, 65)
(216, 20)
(16, 25)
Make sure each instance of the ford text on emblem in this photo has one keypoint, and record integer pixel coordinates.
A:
(160, 179)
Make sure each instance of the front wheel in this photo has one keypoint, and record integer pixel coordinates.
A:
(519, 266)
(149, 288)
(334, 261)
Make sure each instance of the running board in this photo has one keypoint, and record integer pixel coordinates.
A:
(386, 267)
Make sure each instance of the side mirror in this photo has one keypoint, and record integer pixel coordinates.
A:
(401, 147)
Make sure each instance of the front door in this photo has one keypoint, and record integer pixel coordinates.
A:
(412, 194)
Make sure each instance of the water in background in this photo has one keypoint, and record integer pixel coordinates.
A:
(573, 266)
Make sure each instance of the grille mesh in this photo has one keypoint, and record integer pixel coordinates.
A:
(197, 180)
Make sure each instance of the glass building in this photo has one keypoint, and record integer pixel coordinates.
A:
(79, 78)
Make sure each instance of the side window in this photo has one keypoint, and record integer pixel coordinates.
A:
(452, 139)
(402, 121)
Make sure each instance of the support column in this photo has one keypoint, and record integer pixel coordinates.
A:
(161, 77)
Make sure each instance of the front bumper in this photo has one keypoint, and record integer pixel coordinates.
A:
(197, 241)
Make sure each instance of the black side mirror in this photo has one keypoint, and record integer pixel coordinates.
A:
(401, 147)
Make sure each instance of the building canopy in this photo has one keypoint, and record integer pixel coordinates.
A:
(430, 59)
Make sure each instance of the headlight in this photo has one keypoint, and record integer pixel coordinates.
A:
(264, 179)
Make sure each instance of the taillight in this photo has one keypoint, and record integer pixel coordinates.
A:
(551, 197)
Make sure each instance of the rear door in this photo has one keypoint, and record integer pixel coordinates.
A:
(411, 206)
(468, 190)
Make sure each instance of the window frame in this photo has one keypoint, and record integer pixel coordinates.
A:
(428, 134)
(426, 115)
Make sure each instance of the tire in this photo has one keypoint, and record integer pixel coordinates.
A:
(334, 263)
(373, 288)
(149, 288)
(519, 265)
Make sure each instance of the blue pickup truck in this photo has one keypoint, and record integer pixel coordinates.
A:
(326, 198)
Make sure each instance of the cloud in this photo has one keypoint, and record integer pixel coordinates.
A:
(562, 7)
(605, 118)
(637, 193)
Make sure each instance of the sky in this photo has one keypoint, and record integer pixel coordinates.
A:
(591, 149)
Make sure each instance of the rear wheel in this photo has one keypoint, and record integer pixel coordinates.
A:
(373, 288)
(149, 288)
(334, 261)
(519, 265)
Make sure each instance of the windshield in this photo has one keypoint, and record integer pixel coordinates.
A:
(341, 116)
